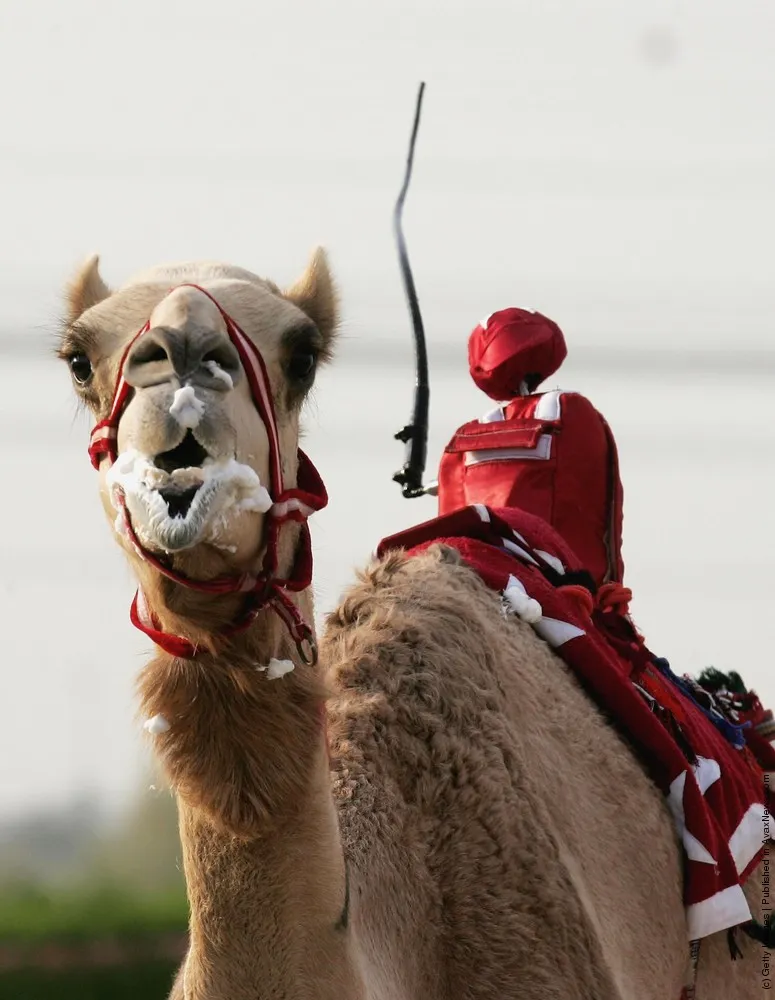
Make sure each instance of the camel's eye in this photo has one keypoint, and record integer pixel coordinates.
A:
(301, 364)
(81, 368)
(301, 347)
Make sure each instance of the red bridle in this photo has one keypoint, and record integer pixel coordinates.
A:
(264, 589)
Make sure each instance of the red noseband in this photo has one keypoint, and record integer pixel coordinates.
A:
(261, 590)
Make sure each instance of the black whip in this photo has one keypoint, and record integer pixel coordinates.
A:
(415, 434)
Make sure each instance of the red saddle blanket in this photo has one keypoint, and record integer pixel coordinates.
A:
(711, 776)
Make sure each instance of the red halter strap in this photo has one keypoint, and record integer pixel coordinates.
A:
(264, 589)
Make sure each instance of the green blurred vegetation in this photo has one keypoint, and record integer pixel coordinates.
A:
(115, 944)
(92, 909)
(31, 915)
(149, 980)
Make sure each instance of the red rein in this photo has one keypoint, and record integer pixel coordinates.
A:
(261, 590)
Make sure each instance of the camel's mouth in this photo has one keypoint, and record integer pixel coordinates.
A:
(179, 501)
(189, 457)
(183, 496)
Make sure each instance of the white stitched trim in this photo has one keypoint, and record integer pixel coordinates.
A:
(726, 909)
(548, 406)
(557, 632)
(540, 453)
(747, 839)
(493, 416)
(282, 508)
(553, 561)
(518, 551)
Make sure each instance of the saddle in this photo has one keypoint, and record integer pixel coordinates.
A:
(707, 763)
(530, 496)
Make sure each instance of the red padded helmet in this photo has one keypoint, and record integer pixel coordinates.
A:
(514, 349)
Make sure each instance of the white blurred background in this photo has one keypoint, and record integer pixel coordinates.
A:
(610, 164)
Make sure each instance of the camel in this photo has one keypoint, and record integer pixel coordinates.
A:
(432, 808)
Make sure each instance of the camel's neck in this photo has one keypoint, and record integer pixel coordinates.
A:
(268, 914)
(261, 846)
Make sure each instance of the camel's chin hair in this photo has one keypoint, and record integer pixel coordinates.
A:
(177, 511)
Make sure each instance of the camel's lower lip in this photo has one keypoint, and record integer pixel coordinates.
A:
(176, 510)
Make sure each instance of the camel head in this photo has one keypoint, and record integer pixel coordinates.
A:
(190, 459)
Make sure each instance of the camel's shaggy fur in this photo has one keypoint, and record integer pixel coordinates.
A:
(490, 835)
(535, 858)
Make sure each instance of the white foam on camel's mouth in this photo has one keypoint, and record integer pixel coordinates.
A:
(186, 408)
(211, 495)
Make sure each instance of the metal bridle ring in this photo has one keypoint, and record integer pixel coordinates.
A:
(308, 650)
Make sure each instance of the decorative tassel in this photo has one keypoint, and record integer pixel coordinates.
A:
(734, 947)
(523, 605)
(763, 933)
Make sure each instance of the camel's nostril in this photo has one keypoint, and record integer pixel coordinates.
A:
(223, 356)
(189, 454)
(192, 354)
(149, 351)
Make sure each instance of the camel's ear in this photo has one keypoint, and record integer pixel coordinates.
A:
(85, 289)
(315, 293)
